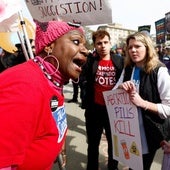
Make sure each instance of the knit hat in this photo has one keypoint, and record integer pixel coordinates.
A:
(47, 32)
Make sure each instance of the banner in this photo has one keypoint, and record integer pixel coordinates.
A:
(160, 31)
(123, 116)
(84, 12)
(144, 28)
(167, 25)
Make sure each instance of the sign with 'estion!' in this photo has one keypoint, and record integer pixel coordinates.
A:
(84, 12)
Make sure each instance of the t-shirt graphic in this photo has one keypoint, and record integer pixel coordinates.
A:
(104, 80)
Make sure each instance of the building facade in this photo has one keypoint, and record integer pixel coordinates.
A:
(118, 34)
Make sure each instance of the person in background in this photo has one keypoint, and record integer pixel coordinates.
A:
(147, 81)
(79, 85)
(2, 54)
(159, 52)
(119, 51)
(102, 71)
(33, 122)
(166, 55)
(8, 59)
(75, 92)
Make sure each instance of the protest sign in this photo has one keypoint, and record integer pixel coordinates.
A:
(123, 116)
(84, 12)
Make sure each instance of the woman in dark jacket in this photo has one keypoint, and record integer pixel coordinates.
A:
(147, 81)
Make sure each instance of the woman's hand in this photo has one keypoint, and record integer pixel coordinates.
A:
(165, 146)
(128, 86)
(134, 97)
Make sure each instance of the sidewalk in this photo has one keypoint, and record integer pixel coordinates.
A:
(76, 145)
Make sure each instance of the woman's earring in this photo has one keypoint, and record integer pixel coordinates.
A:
(56, 60)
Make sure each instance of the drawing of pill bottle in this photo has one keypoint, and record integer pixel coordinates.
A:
(116, 149)
(125, 149)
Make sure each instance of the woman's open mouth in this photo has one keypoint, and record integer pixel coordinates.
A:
(79, 62)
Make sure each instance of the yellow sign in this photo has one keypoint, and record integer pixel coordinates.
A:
(9, 39)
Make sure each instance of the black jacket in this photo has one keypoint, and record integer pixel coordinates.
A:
(155, 127)
(89, 73)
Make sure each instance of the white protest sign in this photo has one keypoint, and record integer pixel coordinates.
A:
(84, 12)
(123, 116)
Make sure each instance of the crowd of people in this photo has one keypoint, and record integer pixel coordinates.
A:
(145, 77)
(33, 124)
(164, 55)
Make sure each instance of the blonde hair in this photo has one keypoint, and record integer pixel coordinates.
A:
(151, 58)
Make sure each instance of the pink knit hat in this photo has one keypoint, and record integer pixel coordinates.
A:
(47, 32)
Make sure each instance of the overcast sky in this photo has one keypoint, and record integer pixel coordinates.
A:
(134, 13)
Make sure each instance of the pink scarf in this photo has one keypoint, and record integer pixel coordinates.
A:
(55, 74)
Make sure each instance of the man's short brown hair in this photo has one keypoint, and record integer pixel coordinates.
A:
(99, 33)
